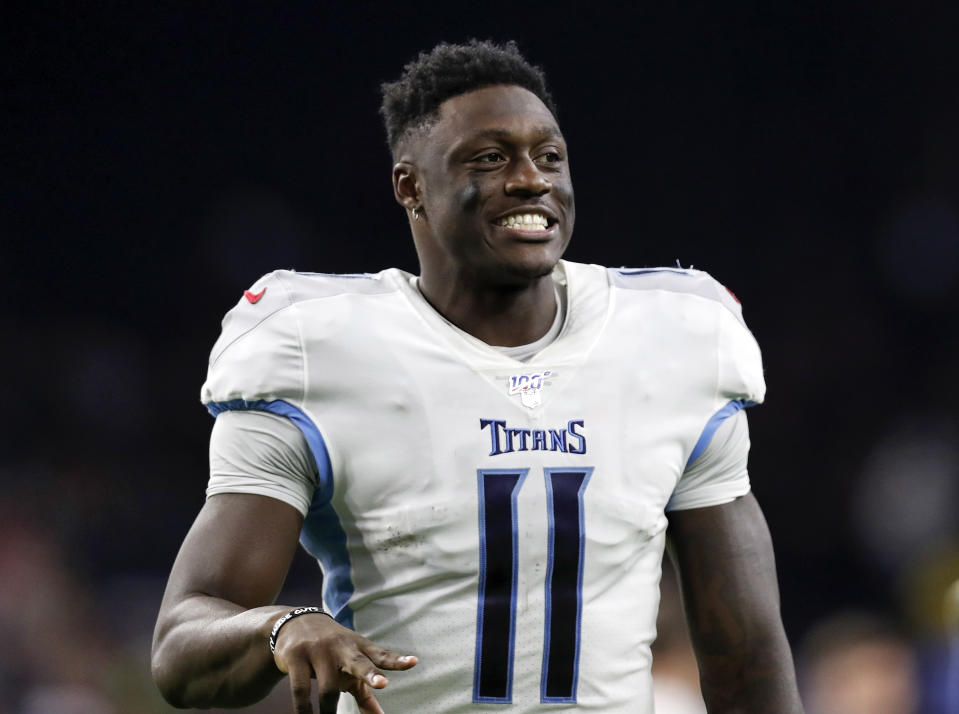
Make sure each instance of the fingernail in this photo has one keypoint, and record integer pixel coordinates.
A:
(406, 658)
(377, 679)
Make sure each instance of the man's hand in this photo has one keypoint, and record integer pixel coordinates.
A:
(211, 641)
(316, 646)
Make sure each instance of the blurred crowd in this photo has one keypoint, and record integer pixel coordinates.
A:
(849, 662)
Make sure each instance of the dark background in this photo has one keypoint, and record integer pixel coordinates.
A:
(158, 157)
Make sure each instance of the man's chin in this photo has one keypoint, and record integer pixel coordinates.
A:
(519, 272)
(517, 264)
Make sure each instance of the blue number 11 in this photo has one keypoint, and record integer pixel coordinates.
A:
(498, 555)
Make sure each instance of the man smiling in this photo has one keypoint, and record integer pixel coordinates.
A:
(481, 458)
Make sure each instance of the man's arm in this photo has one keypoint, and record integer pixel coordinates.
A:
(727, 573)
(211, 643)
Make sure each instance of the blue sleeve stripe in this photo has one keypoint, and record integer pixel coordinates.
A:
(715, 421)
(310, 431)
(322, 534)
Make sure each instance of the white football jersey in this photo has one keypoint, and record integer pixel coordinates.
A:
(502, 520)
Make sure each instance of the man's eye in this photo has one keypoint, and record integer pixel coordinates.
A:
(550, 157)
(490, 158)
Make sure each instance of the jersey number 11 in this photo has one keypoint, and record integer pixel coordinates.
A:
(496, 612)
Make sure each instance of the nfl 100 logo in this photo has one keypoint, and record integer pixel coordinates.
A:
(529, 387)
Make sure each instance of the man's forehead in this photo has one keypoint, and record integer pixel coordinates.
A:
(496, 112)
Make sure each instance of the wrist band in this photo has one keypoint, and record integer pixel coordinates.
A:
(289, 616)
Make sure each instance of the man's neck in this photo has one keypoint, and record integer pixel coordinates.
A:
(505, 316)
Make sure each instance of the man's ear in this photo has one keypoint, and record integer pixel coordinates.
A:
(406, 188)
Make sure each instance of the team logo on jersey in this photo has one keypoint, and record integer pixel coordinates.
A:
(529, 387)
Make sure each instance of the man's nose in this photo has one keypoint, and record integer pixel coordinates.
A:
(526, 179)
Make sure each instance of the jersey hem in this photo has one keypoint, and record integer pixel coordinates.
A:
(274, 493)
(712, 497)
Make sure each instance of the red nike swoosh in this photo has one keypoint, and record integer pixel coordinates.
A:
(254, 298)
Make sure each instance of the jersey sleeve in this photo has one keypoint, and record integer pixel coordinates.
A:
(257, 366)
(718, 474)
(264, 454)
(715, 471)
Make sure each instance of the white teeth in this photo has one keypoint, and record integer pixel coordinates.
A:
(525, 221)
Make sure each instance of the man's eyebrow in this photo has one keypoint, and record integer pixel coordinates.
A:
(545, 131)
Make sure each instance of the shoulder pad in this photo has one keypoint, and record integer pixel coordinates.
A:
(280, 289)
(678, 280)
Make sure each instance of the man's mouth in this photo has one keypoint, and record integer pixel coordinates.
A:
(525, 221)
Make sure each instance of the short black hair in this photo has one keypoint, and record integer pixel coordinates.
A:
(448, 70)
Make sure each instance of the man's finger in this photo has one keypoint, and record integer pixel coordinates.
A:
(388, 659)
(360, 668)
(300, 677)
(328, 701)
(328, 688)
(365, 700)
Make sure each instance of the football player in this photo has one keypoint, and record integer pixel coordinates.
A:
(488, 459)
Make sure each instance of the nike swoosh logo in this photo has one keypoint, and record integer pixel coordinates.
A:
(254, 298)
